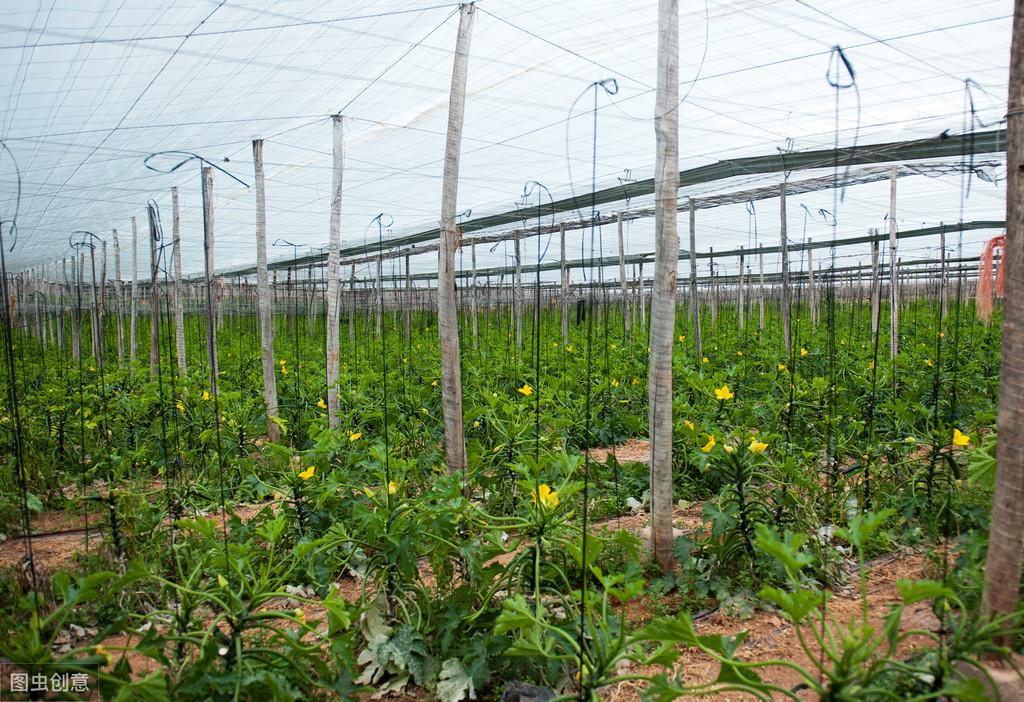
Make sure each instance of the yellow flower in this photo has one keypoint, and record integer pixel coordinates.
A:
(206, 396)
(803, 352)
(300, 615)
(615, 383)
(688, 424)
(942, 335)
(723, 393)
(308, 473)
(568, 347)
(729, 449)
(614, 346)
(181, 406)
(709, 445)
(547, 497)
(960, 439)
(781, 366)
(910, 440)
(554, 344)
(928, 362)
(757, 446)
(321, 404)
(368, 491)
(354, 436)
(871, 366)
(434, 384)
(526, 389)
(392, 487)
(99, 650)
(636, 381)
(476, 424)
(704, 360)
(739, 353)
(681, 338)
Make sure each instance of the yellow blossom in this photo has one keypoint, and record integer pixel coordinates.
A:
(739, 353)
(354, 436)
(568, 347)
(688, 424)
(704, 360)
(910, 440)
(392, 487)
(206, 396)
(928, 362)
(181, 406)
(729, 449)
(308, 473)
(803, 352)
(960, 439)
(636, 381)
(368, 491)
(871, 366)
(781, 366)
(615, 383)
(709, 445)
(434, 384)
(476, 424)
(723, 393)
(554, 344)
(321, 404)
(300, 614)
(757, 446)
(526, 389)
(547, 497)
(99, 650)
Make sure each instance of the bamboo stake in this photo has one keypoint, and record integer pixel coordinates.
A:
(211, 310)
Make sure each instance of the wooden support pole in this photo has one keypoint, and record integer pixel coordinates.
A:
(472, 254)
(894, 313)
(179, 312)
(132, 340)
(663, 299)
(694, 299)
(565, 287)
(622, 276)
(875, 286)
(447, 312)
(154, 298)
(517, 294)
(760, 286)
(211, 309)
(266, 312)
(812, 298)
(742, 297)
(787, 330)
(408, 299)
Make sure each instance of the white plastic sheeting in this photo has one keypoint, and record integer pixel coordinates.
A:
(89, 89)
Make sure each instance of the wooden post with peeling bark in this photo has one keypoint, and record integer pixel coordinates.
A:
(211, 310)
(447, 313)
(266, 312)
(333, 252)
(742, 298)
(663, 298)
